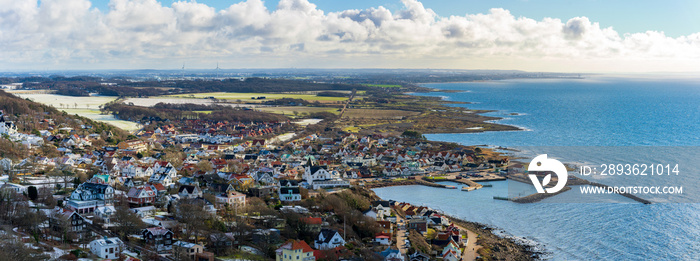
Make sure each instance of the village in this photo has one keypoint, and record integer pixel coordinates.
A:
(201, 190)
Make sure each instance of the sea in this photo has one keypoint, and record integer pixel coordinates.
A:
(593, 121)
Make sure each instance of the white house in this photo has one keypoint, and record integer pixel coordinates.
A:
(289, 191)
(89, 196)
(189, 191)
(134, 171)
(383, 209)
(107, 248)
(320, 177)
(328, 239)
(105, 213)
(383, 240)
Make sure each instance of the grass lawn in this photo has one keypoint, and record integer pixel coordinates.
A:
(247, 96)
(205, 112)
(353, 129)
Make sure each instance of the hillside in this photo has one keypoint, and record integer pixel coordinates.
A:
(30, 117)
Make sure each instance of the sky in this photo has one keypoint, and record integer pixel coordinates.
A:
(531, 35)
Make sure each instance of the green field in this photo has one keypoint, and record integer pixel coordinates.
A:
(289, 110)
(247, 96)
(377, 113)
(383, 85)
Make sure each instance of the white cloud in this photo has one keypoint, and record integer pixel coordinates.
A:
(145, 33)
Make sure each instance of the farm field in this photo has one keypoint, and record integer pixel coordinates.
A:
(247, 96)
(377, 114)
(150, 102)
(289, 110)
(87, 107)
(61, 101)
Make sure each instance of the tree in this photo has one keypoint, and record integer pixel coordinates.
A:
(12, 249)
(45, 196)
(127, 222)
(32, 193)
(204, 166)
(191, 213)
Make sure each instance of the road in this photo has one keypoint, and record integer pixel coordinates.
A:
(401, 235)
(469, 252)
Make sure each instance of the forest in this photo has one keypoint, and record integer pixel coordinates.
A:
(170, 112)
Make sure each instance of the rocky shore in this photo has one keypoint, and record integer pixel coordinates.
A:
(495, 247)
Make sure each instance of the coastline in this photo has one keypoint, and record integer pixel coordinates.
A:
(492, 246)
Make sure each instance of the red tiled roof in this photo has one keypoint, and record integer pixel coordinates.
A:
(297, 244)
(312, 220)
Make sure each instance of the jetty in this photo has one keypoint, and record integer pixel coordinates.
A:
(471, 182)
(503, 198)
(575, 181)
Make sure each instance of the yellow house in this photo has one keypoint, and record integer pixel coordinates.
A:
(295, 250)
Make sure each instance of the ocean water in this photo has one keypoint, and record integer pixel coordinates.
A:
(600, 111)
(588, 121)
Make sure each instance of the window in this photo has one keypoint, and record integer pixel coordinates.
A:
(111, 250)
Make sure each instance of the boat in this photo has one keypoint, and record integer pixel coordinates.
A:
(450, 187)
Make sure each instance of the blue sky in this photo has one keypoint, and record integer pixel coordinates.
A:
(674, 17)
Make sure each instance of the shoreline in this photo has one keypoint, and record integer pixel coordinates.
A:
(499, 247)
(492, 245)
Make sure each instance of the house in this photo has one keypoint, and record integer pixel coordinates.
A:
(387, 226)
(159, 238)
(419, 256)
(328, 239)
(220, 242)
(262, 191)
(134, 171)
(105, 213)
(451, 256)
(106, 248)
(320, 177)
(418, 224)
(230, 198)
(182, 250)
(133, 145)
(383, 208)
(68, 224)
(383, 239)
(295, 250)
(370, 213)
(142, 212)
(289, 191)
(313, 224)
(241, 182)
(452, 247)
(89, 196)
(391, 255)
(189, 191)
(164, 174)
(141, 195)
